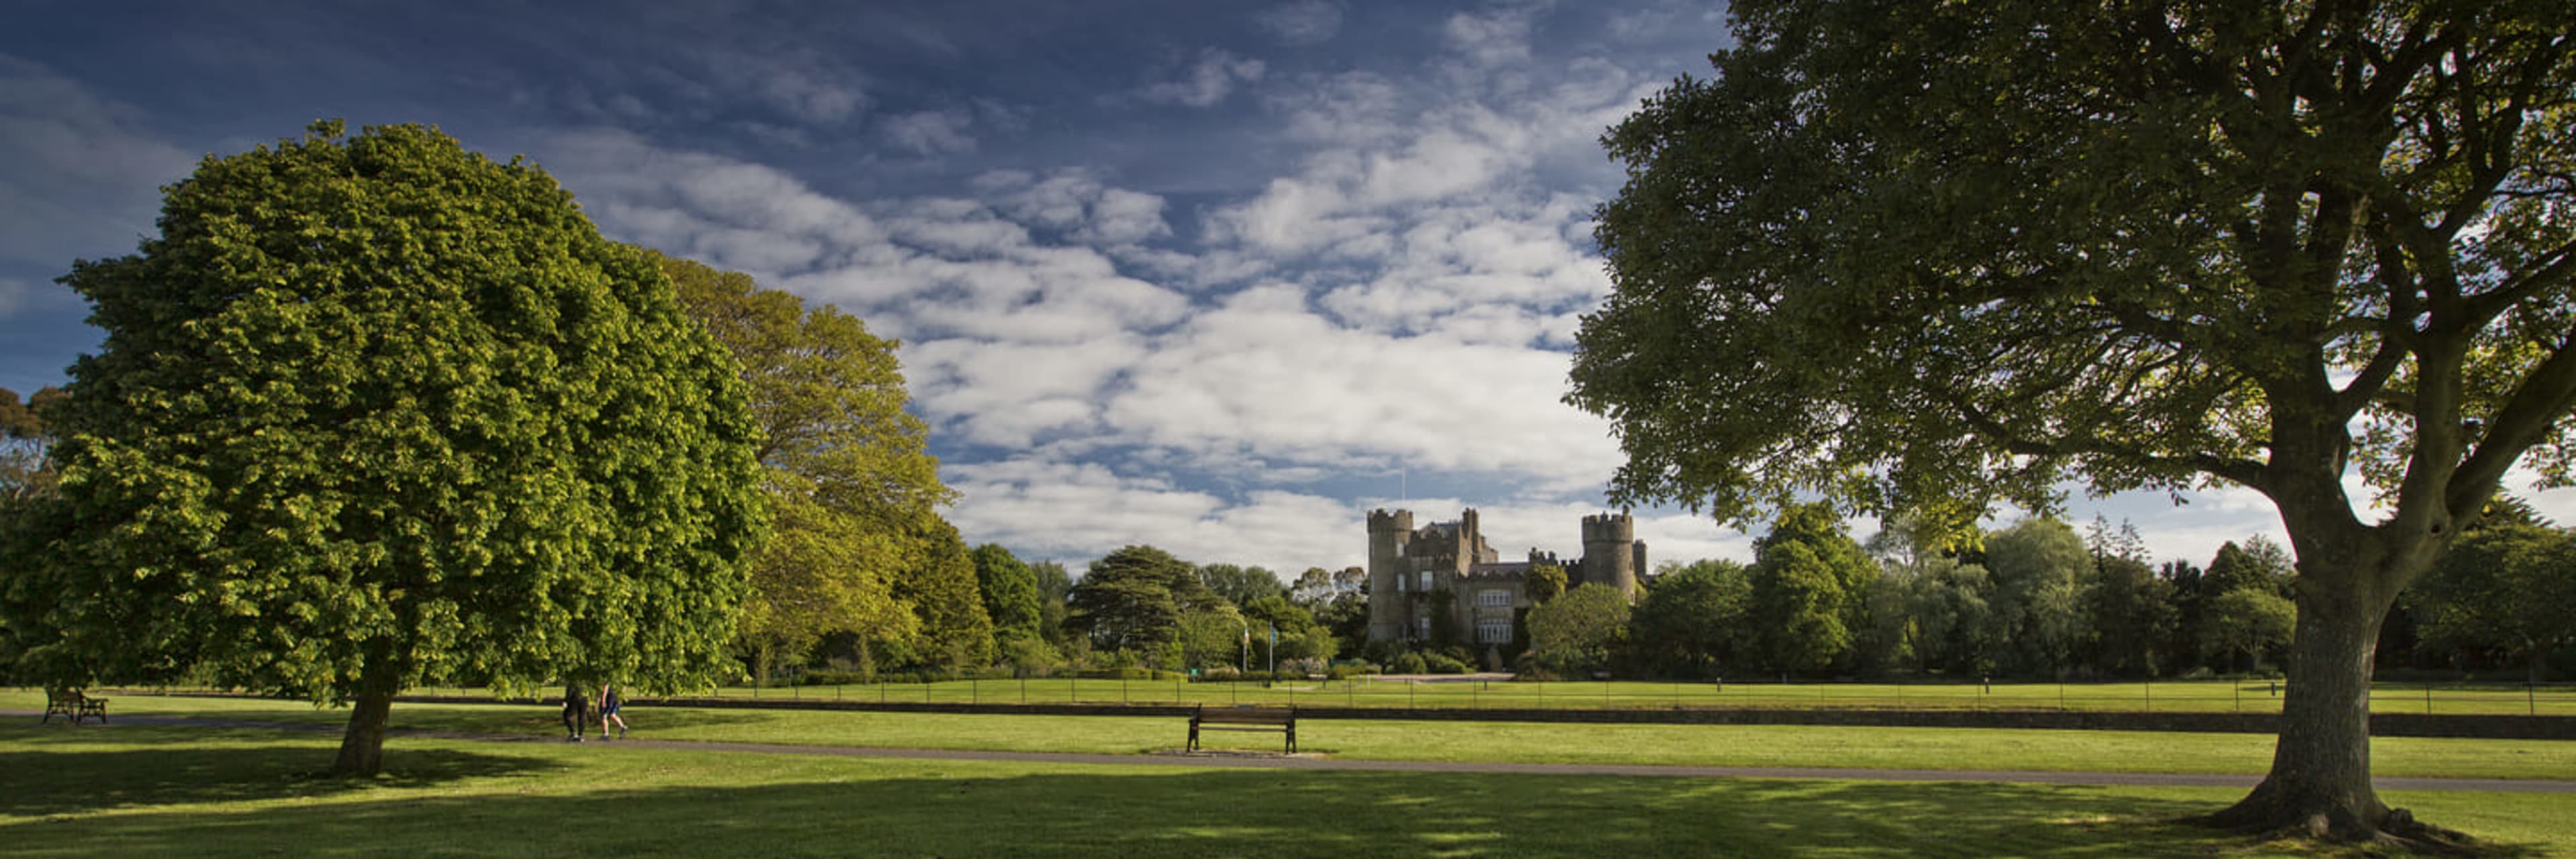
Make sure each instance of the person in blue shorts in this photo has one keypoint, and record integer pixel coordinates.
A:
(609, 704)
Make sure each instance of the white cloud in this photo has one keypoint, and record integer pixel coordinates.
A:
(1207, 82)
(1264, 375)
(1303, 23)
(1077, 513)
(932, 132)
(1492, 39)
(1076, 203)
(79, 174)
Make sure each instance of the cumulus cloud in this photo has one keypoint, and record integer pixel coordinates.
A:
(1208, 81)
(1303, 23)
(1493, 38)
(1076, 513)
(1077, 204)
(1264, 374)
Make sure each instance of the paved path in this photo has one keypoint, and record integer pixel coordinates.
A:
(1311, 762)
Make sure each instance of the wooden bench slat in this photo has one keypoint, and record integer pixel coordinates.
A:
(1279, 719)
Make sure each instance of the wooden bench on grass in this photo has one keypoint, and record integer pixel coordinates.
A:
(1245, 718)
(72, 704)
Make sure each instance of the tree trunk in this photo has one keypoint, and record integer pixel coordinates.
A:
(362, 746)
(2319, 785)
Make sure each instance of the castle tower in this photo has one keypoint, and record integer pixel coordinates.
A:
(1611, 555)
(1388, 534)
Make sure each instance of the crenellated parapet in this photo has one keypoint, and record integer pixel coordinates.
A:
(1609, 528)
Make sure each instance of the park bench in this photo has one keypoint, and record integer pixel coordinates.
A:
(1244, 718)
(71, 704)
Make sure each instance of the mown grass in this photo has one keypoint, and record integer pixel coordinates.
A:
(1692, 745)
(2197, 696)
(201, 792)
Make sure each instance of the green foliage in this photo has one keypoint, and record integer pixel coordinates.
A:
(1543, 582)
(1442, 663)
(25, 473)
(1214, 636)
(2132, 613)
(1690, 619)
(1573, 634)
(1442, 608)
(1010, 593)
(1134, 598)
(846, 465)
(375, 411)
(2259, 563)
(2038, 567)
(2250, 622)
(1915, 258)
(2506, 587)
(1806, 585)
(1240, 585)
(1408, 663)
(941, 588)
(1055, 587)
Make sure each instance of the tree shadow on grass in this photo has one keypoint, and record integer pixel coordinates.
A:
(952, 808)
(41, 782)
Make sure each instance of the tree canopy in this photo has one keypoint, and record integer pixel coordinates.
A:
(374, 411)
(1919, 257)
(1134, 598)
(1010, 593)
(846, 466)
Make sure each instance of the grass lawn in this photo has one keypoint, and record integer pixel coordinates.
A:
(2204, 696)
(1704, 745)
(200, 792)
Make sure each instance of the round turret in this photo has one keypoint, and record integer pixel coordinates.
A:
(1610, 553)
(1388, 534)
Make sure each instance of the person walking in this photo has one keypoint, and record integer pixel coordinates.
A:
(609, 705)
(576, 711)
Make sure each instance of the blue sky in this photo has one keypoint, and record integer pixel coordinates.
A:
(1214, 276)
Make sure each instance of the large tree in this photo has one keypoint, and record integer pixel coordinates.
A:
(1134, 597)
(1804, 595)
(1689, 620)
(2506, 586)
(846, 467)
(942, 588)
(2037, 567)
(374, 411)
(1916, 256)
(1010, 593)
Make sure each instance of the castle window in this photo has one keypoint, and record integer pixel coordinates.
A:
(1426, 580)
(1493, 631)
(1496, 598)
(1424, 622)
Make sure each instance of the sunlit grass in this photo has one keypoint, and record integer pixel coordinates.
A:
(1693, 745)
(201, 792)
(2199, 696)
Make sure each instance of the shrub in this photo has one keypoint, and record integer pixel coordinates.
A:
(1442, 663)
(1409, 663)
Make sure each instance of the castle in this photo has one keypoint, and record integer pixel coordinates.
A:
(1410, 571)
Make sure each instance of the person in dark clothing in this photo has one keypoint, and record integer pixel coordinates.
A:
(576, 711)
